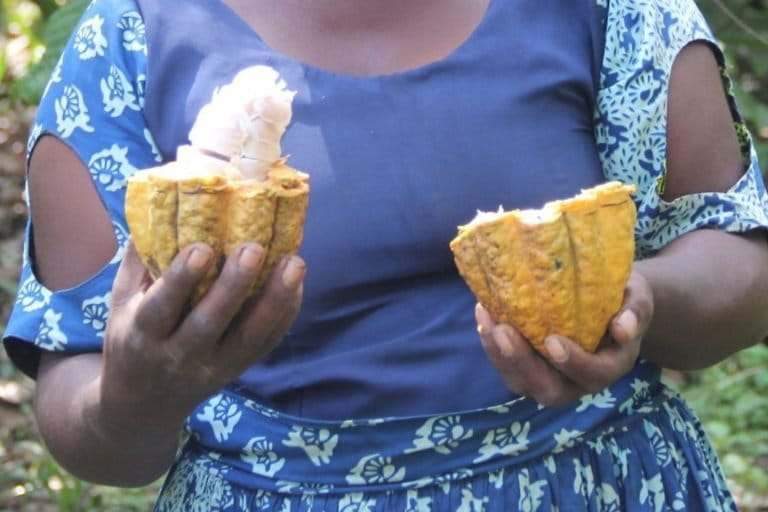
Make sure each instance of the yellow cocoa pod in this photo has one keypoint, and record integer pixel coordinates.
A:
(560, 269)
(167, 209)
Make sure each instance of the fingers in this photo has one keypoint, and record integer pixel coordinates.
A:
(264, 320)
(131, 278)
(164, 302)
(565, 374)
(205, 324)
(523, 370)
(592, 372)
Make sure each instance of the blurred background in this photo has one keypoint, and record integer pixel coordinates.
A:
(731, 398)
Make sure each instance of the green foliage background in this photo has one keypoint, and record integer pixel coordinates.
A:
(731, 398)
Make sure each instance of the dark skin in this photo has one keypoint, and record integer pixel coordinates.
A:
(129, 403)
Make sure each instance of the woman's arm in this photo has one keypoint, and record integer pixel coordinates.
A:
(114, 418)
(92, 445)
(710, 288)
(698, 300)
(710, 294)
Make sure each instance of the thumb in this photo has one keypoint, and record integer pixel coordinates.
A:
(132, 278)
(636, 313)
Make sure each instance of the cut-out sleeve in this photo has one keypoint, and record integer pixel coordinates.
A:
(94, 104)
(643, 38)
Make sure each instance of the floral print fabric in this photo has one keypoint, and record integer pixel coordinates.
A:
(634, 446)
(651, 455)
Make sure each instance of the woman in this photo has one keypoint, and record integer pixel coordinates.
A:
(360, 385)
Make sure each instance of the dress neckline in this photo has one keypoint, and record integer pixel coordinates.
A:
(243, 26)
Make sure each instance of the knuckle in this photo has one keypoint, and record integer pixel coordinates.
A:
(207, 373)
(149, 312)
(644, 307)
(202, 325)
(641, 301)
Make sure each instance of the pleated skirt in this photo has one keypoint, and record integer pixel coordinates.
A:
(647, 453)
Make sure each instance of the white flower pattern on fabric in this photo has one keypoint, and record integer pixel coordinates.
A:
(134, 32)
(652, 492)
(304, 488)
(505, 441)
(496, 478)
(601, 400)
(356, 502)
(550, 464)
(51, 336)
(584, 481)
(95, 312)
(375, 469)
(122, 237)
(222, 413)
(259, 453)
(111, 168)
(566, 439)
(415, 504)
(117, 93)
(317, 443)
(442, 480)
(660, 448)
(609, 498)
(470, 502)
(441, 433)
(639, 399)
(32, 296)
(266, 411)
(620, 459)
(531, 493)
(89, 40)
(72, 112)
(678, 503)
(196, 487)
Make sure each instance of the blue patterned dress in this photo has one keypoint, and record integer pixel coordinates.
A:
(380, 398)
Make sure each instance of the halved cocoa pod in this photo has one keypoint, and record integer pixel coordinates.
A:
(168, 209)
(560, 269)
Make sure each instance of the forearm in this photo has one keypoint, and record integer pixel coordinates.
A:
(92, 440)
(710, 298)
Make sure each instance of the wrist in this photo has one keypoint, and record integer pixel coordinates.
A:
(117, 421)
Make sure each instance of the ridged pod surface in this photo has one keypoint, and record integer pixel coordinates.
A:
(560, 269)
(167, 210)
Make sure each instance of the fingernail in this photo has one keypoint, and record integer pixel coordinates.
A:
(483, 318)
(556, 349)
(293, 272)
(504, 342)
(250, 257)
(198, 259)
(627, 321)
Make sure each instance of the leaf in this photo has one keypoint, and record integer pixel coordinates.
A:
(7, 286)
(55, 34)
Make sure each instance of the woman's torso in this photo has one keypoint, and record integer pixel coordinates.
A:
(397, 161)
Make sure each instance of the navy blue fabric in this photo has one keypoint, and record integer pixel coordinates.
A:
(387, 324)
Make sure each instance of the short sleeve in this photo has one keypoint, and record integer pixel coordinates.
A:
(93, 103)
(643, 38)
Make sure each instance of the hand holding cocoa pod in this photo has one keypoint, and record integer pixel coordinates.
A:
(162, 358)
(568, 371)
